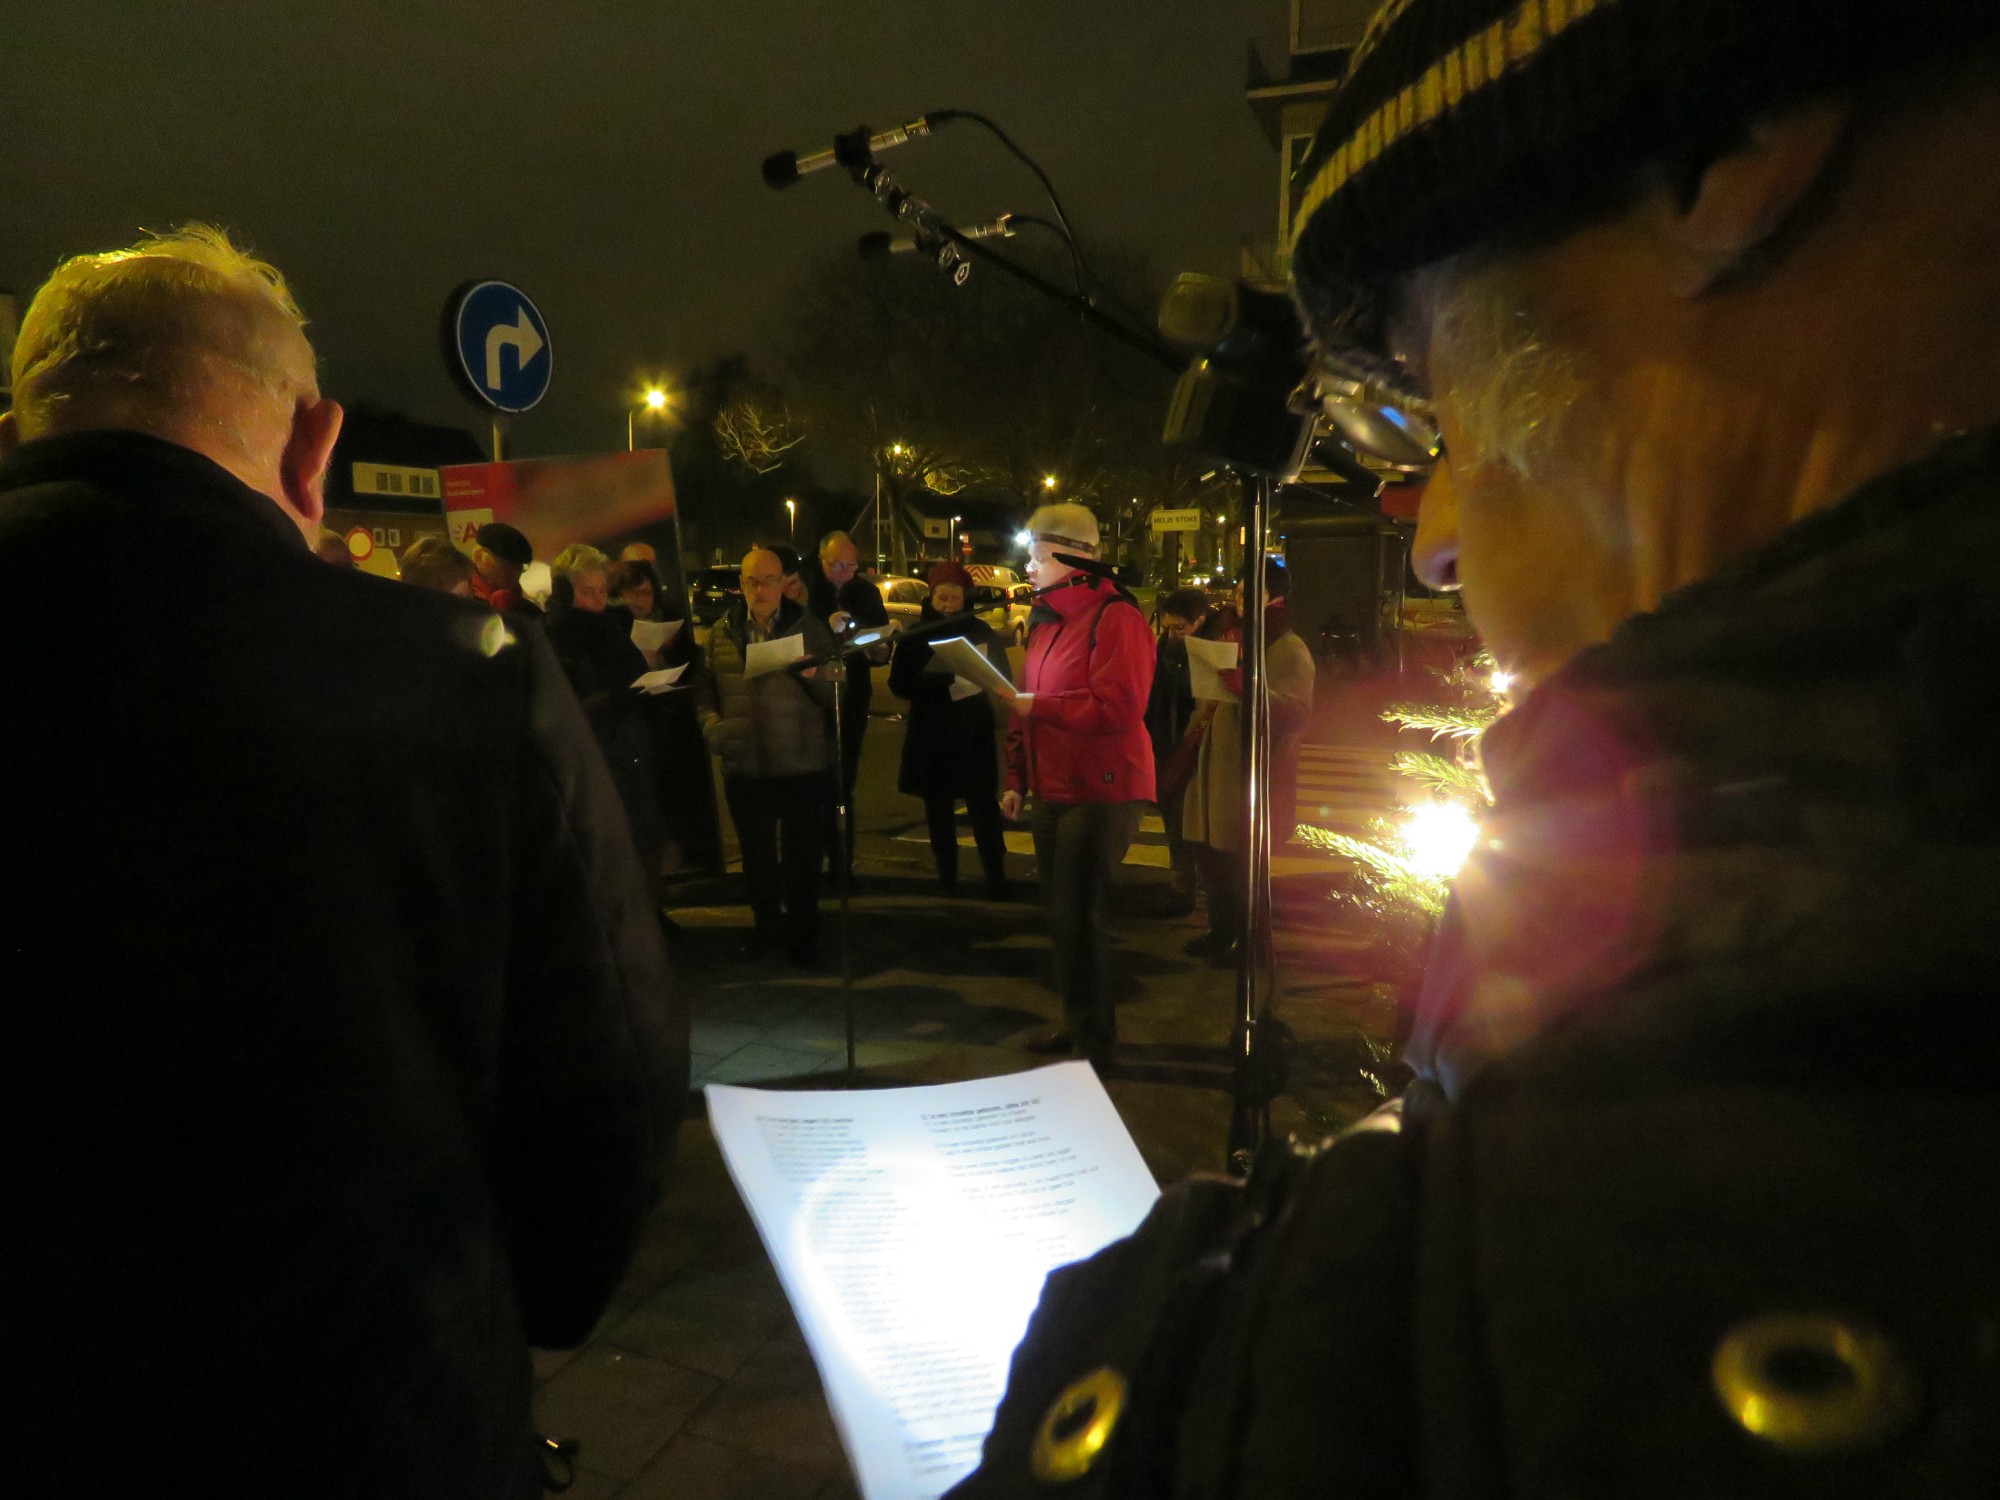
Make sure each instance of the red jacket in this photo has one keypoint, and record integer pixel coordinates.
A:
(1090, 670)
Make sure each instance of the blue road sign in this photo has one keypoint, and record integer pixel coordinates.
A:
(501, 345)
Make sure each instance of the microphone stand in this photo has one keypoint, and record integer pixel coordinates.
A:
(905, 206)
(834, 664)
(1257, 1076)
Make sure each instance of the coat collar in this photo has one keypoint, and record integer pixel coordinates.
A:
(147, 468)
(1781, 779)
(790, 617)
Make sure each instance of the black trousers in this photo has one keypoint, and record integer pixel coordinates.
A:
(1073, 841)
(983, 813)
(780, 822)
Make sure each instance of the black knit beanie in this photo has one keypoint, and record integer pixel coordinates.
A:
(1463, 120)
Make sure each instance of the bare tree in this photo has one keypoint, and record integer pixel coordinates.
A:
(757, 431)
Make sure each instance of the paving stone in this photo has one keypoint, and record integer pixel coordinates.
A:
(669, 1246)
(774, 1406)
(710, 1320)
(696, 1468)
(715, 1039)
(761, 1063)
(621, 1406)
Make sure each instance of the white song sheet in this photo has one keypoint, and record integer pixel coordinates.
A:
(663, 680)
(913, 1229)
(1207, 660)
(651, 635)
(772, 656)
(968, 663)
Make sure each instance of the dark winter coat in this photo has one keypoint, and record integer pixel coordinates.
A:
(341, 1064)
(1721, 1045)
(598, 657)
(683, 786)
(776, 724)
(950, 746)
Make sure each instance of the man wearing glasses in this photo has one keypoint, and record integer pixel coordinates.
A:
(770, 731)
(1693, 1195)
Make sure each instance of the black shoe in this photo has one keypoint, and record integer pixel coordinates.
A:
(748, 950)
(1055, 1042)
(1209, 942)
(999, 890)
(1224, 955)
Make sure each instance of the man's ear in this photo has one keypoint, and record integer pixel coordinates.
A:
(308, 451)
(1744, 198)
(10, 433)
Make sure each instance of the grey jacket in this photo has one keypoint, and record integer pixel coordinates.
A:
(774, 725)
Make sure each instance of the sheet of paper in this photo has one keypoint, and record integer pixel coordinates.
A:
(960, 688)
(1206, 661)
(659, 681)
(772, 656)
(650, 635)
(958, 656)
(913, 1228)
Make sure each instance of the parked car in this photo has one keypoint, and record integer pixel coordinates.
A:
(712, 590)
(903, 598)
(1005, 607)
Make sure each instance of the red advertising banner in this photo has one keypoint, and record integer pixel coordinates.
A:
(557, 501)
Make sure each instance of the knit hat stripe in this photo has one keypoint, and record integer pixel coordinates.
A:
(1478, 63)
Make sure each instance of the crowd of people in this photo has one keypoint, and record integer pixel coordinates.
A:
(345, 1064)
(1115, 713)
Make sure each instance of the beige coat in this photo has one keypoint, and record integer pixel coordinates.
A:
(1213, 811)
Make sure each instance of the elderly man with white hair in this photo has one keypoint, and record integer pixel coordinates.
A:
(1695, 1193)
(342, 1065)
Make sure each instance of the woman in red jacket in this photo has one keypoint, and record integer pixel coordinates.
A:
(1077, 742)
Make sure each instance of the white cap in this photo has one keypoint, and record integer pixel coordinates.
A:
(1065, 523)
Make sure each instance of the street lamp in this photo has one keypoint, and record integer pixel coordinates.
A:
(654, 401)
(1048, 481)
(792, 514)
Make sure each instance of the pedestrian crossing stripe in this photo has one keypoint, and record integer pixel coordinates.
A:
(1341, 787)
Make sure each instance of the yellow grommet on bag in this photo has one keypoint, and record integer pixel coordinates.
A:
(1813, 1384)
(1076, 1428)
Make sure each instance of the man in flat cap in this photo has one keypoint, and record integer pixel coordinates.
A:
(341, 1065)
(1695, 1194)
(500, 554)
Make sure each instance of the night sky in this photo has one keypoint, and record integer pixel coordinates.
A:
(603, 156)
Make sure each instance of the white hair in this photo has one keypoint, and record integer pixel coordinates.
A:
(1512, 386)
(180, 332)
(580, 557)
(1072, 522)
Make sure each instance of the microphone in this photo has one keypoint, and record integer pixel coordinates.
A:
(783, 168)
(881, 245)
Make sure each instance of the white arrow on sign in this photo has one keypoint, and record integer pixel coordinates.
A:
(527, 344)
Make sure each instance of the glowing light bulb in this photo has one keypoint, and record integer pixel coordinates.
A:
(1439, 837)
(1501, 682)
(1048, 481)
(656, 398)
